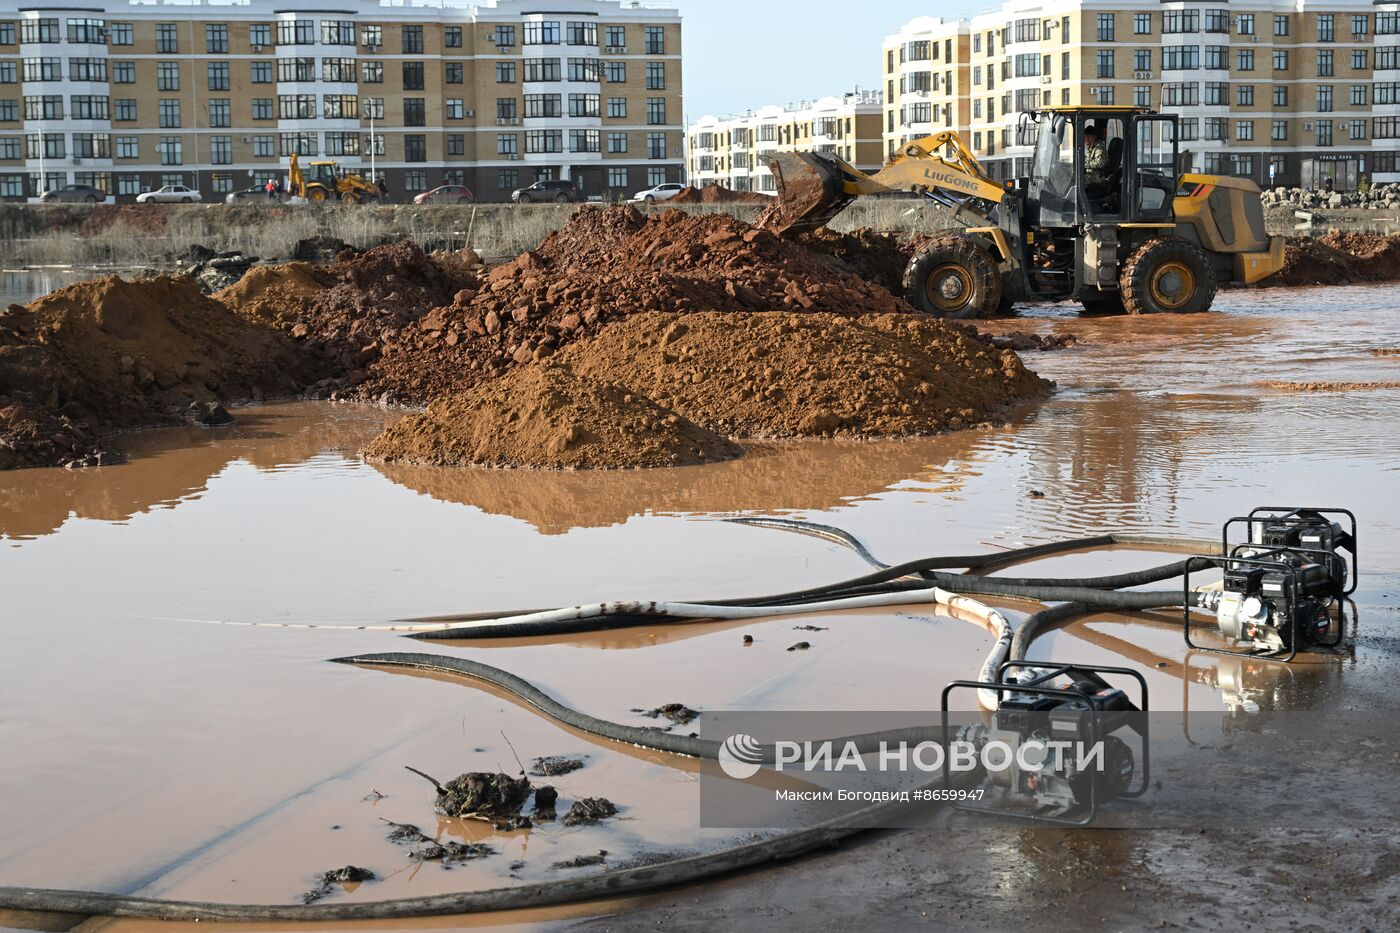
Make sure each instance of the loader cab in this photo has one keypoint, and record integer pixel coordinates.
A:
(1101, 165)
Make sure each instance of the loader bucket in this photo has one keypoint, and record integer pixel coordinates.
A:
(811, 191)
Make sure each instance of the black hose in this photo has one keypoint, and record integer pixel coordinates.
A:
(613, 883)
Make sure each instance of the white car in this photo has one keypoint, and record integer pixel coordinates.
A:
(659, 193)
(169, 194)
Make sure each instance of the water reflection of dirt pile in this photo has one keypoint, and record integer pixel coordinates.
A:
(796, 476)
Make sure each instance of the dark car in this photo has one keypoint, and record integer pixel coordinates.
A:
(256, 194)
(561, 192)
(73, 194)
(447, 194)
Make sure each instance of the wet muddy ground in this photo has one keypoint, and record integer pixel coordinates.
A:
(181, 758)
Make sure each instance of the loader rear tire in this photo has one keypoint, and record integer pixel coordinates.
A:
(953, 277)
(1167, 275)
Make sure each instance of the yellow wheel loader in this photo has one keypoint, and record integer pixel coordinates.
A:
(1107, 222)
(327, 182)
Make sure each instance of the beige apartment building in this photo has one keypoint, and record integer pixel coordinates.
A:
(734, 151)
(128, 96)
(1302, 92)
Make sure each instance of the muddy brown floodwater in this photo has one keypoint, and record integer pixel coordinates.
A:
(149, 749)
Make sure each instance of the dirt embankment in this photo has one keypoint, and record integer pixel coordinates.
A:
(718, 194)
(109, 355)
(1338, 258)
(548, 416)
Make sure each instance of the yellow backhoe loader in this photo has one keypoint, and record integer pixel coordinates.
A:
(1107, 222)
(328, 181)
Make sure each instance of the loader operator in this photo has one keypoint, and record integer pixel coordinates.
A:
(1095, 156)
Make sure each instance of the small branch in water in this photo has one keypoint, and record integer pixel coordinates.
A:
(513, 751)
(429, 778)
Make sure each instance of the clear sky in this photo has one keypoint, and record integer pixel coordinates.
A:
(746, 53)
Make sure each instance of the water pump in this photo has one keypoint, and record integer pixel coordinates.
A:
(1283, 587)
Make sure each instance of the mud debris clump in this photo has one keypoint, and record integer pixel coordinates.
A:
(328, 881)
(481, 795)
(546, 416)
(111, 354)
(676, 713)
(553, 766)
(814, 374)
(590, 810)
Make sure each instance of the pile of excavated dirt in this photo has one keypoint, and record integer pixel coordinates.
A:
(792, 375)
(877, 257)
(277, 295)
(718, 194)
(1338, 258)
(546, 416)
(109, 355)
(408, 327)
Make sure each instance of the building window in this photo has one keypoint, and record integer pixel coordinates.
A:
(124, 110)
(1142, 60)
(218, 76)
(9, 111)
(656, 176)
(412, 39)
(584, 141)
(656, 145)
(167, 37)
(304, 144)
(92, 146)
(414, 111)
(413, 76)
(1385, 92)
(1324, 98)
(617, 107)
(1324, 64)
(543, 105)
(617, 178)
(1244, 129)
(506, 109)
(221, 150)
(372, 37)
(656, 111)
(616, 37)
(1244, 60)
(1103, 96)
(1384, 127)
(219, 113)
(1181, 57)
(656, 76)
(342, 144)
(10, 148)
(455, 108)
(508, 179)
(504, 36)
(1280, 59)
(167, 76)
(128, 184)
(582, 33)
(1142, 95)
(1326, 27)
(505, 72)
(538, 141)
(1281, 95)
(452, 37)
(507, 144)
(583, 105)
(1180, 21)
(85, 69)
(1218, 21)
(296, 32)
(542, 69)
(374, 144)
(47, 107)
(542, 33)
(1279, 132)
(296, 106)
(1215, 128)
(617, 142)
(1142, 24)
(1217, 93)
(1280, 25)
(169, 113)
(655, 40)
(1244, 95)
(1217, 58)
(170, 150)
(215, 37)
(372, 72)
(1104, 23)
(260, 73)
(452, 73)
(341, 107)
(259, 36)
(1324, 132)
(1356, 129)
(1358, 58)
(415, 180)
(117, 33)
(264, 147)
(1358, 95)
(1246, 24)
(1104, 63)
(262, 108)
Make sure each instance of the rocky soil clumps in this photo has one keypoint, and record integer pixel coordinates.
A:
(1374, 198)
(110, 355)
(1338, 258)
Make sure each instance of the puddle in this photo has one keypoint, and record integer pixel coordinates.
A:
(213, 761)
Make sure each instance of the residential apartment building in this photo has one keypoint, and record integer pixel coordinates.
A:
(735, 151)
(128, 96)
(1302, 92)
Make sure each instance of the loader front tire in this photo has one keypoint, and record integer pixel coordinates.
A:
(953, 277)
(1167, 275)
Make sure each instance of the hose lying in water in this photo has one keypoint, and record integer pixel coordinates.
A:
(615, 883)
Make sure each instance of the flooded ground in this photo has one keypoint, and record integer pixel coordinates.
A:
(149, 749)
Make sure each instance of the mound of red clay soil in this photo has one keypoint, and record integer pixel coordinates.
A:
(408, 327)
(876, 257)
(718, 194)
(1338, 258)
(111, 354)
(792, 375)
(545, 416)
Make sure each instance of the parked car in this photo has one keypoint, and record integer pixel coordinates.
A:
(73, 194)
(659, 193)
(255, 194)
(560, 192)
(169, 194)
(446, 194)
